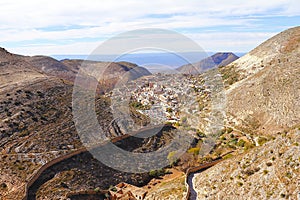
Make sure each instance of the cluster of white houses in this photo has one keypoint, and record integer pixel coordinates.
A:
(161, 96)
(165, 94)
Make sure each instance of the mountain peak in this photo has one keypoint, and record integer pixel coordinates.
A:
(4, 52)
(283, 47)
(218, 59)
(223, 58)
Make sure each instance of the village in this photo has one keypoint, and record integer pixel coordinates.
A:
(163, 97)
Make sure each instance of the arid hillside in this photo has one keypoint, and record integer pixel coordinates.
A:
(36, 123)
(266, 96)
(270, 171)
(263, 97)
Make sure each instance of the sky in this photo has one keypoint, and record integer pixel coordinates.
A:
(77, 27)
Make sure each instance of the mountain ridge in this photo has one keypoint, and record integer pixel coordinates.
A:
(218, 59)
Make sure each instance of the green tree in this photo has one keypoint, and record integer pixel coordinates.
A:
(173, 160)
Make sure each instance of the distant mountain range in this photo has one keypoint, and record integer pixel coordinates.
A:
(154, 62)
(216, 60)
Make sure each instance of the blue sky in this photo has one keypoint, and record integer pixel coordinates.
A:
(78, 27)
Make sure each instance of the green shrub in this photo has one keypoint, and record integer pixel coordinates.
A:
(111, 188)
(229, 130)
(265, 171)
(172, 158)
(194, 150)
(223, 138)
(273, 158)
(169, 110)
(200, 133)
(248, 145)
(227, 156)
(234, 141)
(157, 173)
(20, 167)
(261, 140)
(241, 143)
(139, 106)
(240, 184)
(289, 175)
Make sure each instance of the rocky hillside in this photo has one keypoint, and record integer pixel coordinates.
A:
(283, 47)
(36, 115)
(271, 171)
(36, 101)
(107, 73)
(263, 97)
(218, 59)
(266, 96)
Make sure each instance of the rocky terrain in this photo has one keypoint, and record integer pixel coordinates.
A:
(270, 171)
(36, 115)
(216, 60)
(266, 97)
(263, 96)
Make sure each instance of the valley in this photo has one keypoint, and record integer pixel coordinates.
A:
(233, 128)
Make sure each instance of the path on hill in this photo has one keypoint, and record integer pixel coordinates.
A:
(191, 175)
(193, 193)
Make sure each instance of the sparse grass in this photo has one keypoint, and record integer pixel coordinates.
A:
(229, 75)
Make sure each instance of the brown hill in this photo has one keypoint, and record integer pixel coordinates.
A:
(263, 97)
(36, 100)
(218, 59)
(110, 72)
(36, 115)
(267, 96)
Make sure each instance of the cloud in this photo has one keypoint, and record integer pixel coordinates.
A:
(231, 41)
(67, 23)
